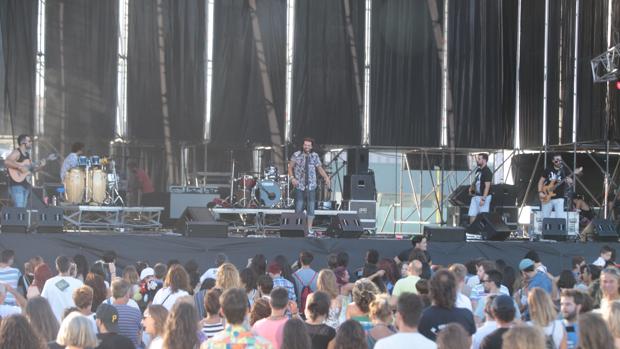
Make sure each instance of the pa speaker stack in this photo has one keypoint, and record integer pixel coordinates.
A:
(490, 226)
(293, 225)
(601, 230)
(199, 222)
(345, 225)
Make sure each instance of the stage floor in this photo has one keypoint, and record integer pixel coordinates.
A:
(161, 247)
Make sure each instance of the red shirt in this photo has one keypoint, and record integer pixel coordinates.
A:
(145, 182)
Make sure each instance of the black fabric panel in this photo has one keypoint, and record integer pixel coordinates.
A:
(405, 75)
(239, 105)
(567, 40)
(614, 119)
(184, 40)
(18, 21)
(89, 49)
(482, 57)
(324, 103)
(152, 249)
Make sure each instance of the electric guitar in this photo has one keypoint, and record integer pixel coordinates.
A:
(548, 190)
(20, 175)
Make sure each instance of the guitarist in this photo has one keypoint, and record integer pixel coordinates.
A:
(480, 188)
(557, 174)
(19, 159)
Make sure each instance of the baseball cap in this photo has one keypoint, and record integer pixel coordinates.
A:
(146, 272)
(525, 263)
(503, 303)
(109, 316)
(274, 268)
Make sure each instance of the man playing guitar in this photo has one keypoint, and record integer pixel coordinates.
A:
(19, 160)
(556, 174)
(480, 188)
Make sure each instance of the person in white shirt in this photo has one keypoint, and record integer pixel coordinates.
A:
(7, 309)
(59, 290)
(488, 327)
(408, 311)
(460, 271)
(604, 256)
(175, 287)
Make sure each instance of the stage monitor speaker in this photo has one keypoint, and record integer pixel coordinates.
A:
(602, 230)
(357, 161)
(554, 229)
(199, 222)
(444, 234)
(293, 225)
(14, 220)
(490, 226)
(359, 187)
(345, 225)
(49, 220)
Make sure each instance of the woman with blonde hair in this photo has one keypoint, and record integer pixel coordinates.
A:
(76, 331)
(326, 282)
(227, 277)
(543, 316)
(154, 321)
(612, 317)
(593, 332)
(176, 286)
(364, 292)
(381, 318)
(181, 330)
(523, 337)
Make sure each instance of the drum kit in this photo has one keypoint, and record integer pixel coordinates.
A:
(94, 181)
(268, 190)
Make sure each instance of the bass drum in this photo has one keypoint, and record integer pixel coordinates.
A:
(98, 185)
(268, 193)
(75, 185)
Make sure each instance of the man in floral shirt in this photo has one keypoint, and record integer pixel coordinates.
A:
(302, 172)
(236, 335)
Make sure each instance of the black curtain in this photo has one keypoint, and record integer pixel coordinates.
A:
(18, 27)
(80, 73)
(614, 119)
(482, 57)
(184, 39)
(405, 75)
(239, 103)
(325, 99)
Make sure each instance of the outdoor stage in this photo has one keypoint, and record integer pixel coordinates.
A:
(156, 247)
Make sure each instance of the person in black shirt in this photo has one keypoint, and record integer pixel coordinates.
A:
(107, 323)
(554, 174)
(480, 188)
(503, 311)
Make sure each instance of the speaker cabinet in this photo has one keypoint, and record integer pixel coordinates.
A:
(554, 229)
(602, 230)
(345, 225)
(293, 225)
(49, 220)
(199, 222)
(444, 234)
(359, 187)
(490, 226)
(357, 161)
(14, 220)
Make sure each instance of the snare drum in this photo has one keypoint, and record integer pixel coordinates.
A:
(75, 185)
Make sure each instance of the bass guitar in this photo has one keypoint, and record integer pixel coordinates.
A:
(22, 174)
(548, 190)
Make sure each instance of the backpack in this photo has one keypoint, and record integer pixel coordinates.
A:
(549, 342)
(305, 291)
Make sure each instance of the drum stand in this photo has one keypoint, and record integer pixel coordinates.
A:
(113, 196)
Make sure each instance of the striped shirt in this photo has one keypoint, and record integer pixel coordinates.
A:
(129, 322)
(10, 276)
(210, 330)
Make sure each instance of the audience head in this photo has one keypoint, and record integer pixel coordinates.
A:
(160, 271)
(177, 278)
(527, 267)
(343, 259)
(63, 264)
(533, 255)
(81, 265)
(248, 279)
(100, 291)
(259, 264)
(265, 284)
(593, 332)
(154, 320)
(423, 287)
(542, 311)
(305, 258)
(274, 269)
(120, 289)
(227, 277)
(380, 309)
(295, 335)
(491, 281)
(453, 336)
(332, 261)
(569, 306)
(42, 272)
(408, 310)
(419, 242)
(260, 310)
(109, 256)
(610, 278)
(107, 318)
(372, 256)
(181, 326)
(350, 335)
(16, 332)
(612, 317)
(326, 282)
(130, 274)
(317, 305)
(342, 276)
(234, 303)
(212, 301)
(503, 309)
(566, 280)
(42, 318)
(76, 331)
(7, 257)
(278, 298)
(459, 271)
(523, 337)
(443, 289)
(83, 297)
(364, 292)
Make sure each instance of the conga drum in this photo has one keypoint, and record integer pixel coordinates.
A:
(75, 185)
(98, 185)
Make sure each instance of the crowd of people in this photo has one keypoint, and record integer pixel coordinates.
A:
(403, 301)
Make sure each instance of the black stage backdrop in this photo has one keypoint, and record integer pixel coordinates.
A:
(184, 39)
(405, 76)
(325, 102)
(81, 59)
(239, 105)
(615, 93)
(482, 44)
(18, 27)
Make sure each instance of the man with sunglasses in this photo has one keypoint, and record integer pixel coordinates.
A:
(556, 173)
